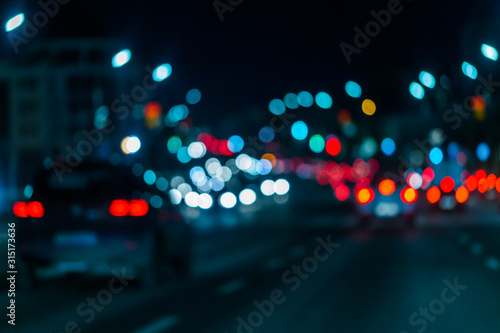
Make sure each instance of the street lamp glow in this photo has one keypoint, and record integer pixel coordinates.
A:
(121, 58)
(14, 22)
(162, 72)
(469, 70)
(489, 52)
(427, 79)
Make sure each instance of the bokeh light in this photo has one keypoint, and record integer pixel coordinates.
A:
(235, 144)
(299, 130)
(417, 90)
(447, 184)
(162, 72)
(489, 52)
(388, 146)
(247, 196)
(462, 194)
(483, 151)
(277, 107)
(281, 186)
(469, 70)
(436, 155)
(387, 187)
(409, 195)
(193, 96)
(427, 79)
(227, 200)
(130, 145)
(267, 187)
(174, 143)
(317, 143)
(305, 99)
(323, 100)
(121, 58)
(266, 134)
(368, 107)
(433, 194)
(333, 146)
(291, 101)
(14, 22)
(353, 89)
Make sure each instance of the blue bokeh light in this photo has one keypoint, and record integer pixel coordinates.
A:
(305, 99)
(489, 52)
(323, 100)
(417, 90)
(193, 96)
(436, 155)
(427, 79)
(483, 151)
(235, 143)
(291, 101)
(277, 107)
(469, 70)
(353, 89)
(121, 58)
(388, 146)
(266, 134)
(453, 150)
(162, 72)
(299, 130)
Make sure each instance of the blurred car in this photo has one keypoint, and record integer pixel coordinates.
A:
(446, 196)
(386, 202)
(96, 219)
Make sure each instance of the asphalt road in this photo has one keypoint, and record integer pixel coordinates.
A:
(275, 279)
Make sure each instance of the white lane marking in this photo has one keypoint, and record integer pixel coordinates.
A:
(231, 287)
(476, 249)
(492, 263)
(274, 263)
(297, 251)
(160, 325)
(463, 238)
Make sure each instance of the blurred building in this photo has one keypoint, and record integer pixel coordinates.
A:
(48, 94)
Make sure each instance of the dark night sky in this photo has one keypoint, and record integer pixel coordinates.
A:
(264, 49)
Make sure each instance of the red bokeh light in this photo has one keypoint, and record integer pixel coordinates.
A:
(333, 146)
(138, 207)
(35, 209)
(447, 184)
(20, 209)
(119, 208)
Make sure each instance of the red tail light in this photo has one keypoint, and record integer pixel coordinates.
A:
(35, 209)
(32, 209)
(20, 209)
(409, 195)
(121, 207)
(138, 207)
(365, 195)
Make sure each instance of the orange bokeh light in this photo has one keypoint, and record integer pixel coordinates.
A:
(387, 187)
(409, 195)
(462, 194)
(433, 194)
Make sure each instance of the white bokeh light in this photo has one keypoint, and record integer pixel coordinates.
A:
(281, 187)
(227, 200)
(247, 197)
(267, 187)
